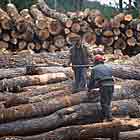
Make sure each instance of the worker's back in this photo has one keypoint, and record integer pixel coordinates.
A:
(103, 73)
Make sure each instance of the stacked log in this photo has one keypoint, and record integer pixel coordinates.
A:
(40, 28)
(42, 104)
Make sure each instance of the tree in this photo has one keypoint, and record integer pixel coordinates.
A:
(121, 5)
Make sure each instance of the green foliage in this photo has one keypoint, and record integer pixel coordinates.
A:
(19, 3)
(73, 5)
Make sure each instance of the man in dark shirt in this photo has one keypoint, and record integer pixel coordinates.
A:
(101, 77)
(79, 55)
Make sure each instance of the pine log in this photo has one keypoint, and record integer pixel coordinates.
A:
(138, 36)
(78, 114)
(13, 12)
(25, 13)
(128, 18)
(126, 71)
(67, 31)
(43, 108)
(59, 41)
(52, 48)
(75, 27)
(5, 37)
(120, 44)
(89, 37)
(69, 23)
(99, 21)
(116, 31)
(45, 45)
(70, 37)
(31, 46)
(130, 135)
(38, 90)
(55, 27)
(84, 26)
(129, 33)
(115, 23)
(108, 41)
(106, 129)
(3, 45)
(40, 19)
(5, 20)
(43, 34)
(13, 41)
(131, 41)
(17, 83)
(85, 131)
(22, 45)
(107, 33)
(51, 13)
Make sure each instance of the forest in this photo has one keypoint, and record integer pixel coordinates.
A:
(132, 6)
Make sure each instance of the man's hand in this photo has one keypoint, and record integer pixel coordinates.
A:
(65, 65)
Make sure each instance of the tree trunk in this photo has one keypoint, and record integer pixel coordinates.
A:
(51, 13)
(38, 90)
(130, 135)
(15, 84)
(5, 20)
(40, 19)
(126, 71)
(79, 114)
(43, 108)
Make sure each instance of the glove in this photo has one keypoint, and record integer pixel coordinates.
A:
(65, 65)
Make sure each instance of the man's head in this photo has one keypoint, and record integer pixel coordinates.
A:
(99, 59)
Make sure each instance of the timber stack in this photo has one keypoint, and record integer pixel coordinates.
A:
(41, 105)
(43, 29)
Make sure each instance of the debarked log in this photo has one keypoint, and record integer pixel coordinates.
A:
(74, 115)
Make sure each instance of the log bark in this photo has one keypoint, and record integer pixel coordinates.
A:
(15, 84)
(80, 132)
(130, 135)
(40, 19)
(50, 12)
(16, 72)
(38, 90)
(120, 44)
(108, 129)
(79, 114)
(5, 20)
(43, 108)
(3, 45)
(131, 41)
(13, 12)
(126, 71)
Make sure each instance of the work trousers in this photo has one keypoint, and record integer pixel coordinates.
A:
(105, 100)
(80, 75)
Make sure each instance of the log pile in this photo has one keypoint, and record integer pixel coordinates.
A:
(42, 105)
(43, 29)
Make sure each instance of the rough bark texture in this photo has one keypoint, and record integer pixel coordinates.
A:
(79, 114)
(15, 84)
